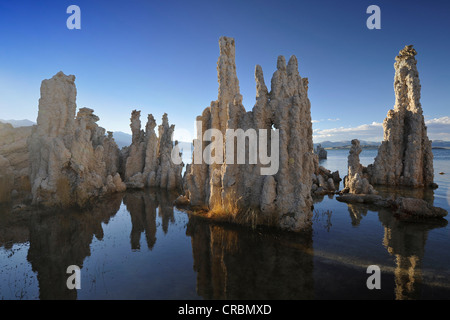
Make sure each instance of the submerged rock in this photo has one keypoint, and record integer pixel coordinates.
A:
(239, 191)
(407, 207)
(418, 208)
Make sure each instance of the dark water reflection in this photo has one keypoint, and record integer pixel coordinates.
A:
(232, 263)
(137, 246)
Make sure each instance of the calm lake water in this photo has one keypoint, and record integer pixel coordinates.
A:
(137, 246)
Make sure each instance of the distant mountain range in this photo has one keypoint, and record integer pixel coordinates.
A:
(441, 144)
(346, 144)
(124, 139)
(19, 123)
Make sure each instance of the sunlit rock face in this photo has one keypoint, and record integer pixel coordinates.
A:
(147, 162)
(14, 161)
(356, 181)
(405, 156)
(238, 191)
(71, 159)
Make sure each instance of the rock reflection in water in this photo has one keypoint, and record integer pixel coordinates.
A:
(13, 228)
(142, 206)
(357, 212)
(232, 263)
(405, 240)
(63, 239)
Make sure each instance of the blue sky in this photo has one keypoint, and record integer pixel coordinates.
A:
(160, 56)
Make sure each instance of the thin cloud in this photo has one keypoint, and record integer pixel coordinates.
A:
(372, 132)
(437, 129)
(322, 120)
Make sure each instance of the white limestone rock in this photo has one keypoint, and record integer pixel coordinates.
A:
(355, 182)
(14, 148)
(405, 156)
(148, 160)
(239, 191)
(71, 158)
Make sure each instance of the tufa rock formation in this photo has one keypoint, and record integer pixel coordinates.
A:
(238, 192)
(72, 161)
(324, 181)
(6, 180)
(14, 162)
(405, 156)
(321, 152)
(356, 181)
(147, 161)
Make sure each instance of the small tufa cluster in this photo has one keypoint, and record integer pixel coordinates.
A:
(324, 181)
(147, 161)
(321, 152)
(357, 179)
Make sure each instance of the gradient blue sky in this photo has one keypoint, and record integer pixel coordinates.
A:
(160, 56)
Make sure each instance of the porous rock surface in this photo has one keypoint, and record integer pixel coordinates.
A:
(71, 159)
(324, 181)
(14, 161)
(357, 179)
(405, 156)
(148, 160)
(239, 191)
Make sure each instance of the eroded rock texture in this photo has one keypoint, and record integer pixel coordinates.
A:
(72, 161)
(148, 160)
(14, 161)
(405, 156)
(6, 180)
(357, 179)
(324, 181)
(239, 191)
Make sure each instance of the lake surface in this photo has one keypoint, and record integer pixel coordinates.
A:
(137, 246)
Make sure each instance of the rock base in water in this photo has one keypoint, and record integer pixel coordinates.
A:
(409, 207)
